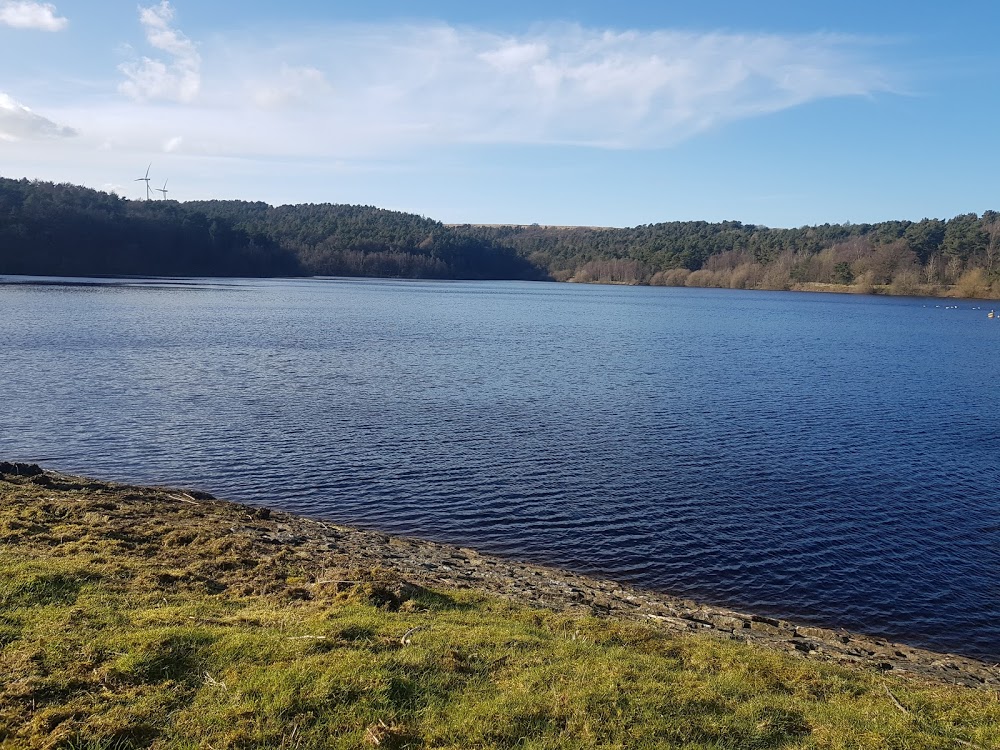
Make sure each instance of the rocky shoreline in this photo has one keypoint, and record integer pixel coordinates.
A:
(60, 509)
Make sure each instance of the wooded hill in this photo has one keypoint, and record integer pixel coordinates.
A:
(66, 230)
(961, 255)
(63, 230)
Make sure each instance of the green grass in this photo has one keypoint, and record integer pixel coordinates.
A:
(94, 665)
(101, 649)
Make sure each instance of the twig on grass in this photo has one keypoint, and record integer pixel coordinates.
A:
(209, 680)
(407, 636)
(895, 700)
(906, 711)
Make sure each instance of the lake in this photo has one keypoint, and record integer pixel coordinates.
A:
(831, 459)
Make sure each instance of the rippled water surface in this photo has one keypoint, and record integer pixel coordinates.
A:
(833, 459)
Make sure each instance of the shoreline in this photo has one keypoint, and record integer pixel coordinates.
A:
(923, 291)
(330, 556)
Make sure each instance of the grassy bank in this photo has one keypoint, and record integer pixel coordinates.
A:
(133, 618)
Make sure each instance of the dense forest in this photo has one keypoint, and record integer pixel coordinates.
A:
(63, 230)
(340, 240)
(960, 256)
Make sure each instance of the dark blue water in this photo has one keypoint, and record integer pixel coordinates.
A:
(832, 459)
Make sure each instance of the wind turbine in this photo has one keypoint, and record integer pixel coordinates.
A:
(163, 189)
(146, 180)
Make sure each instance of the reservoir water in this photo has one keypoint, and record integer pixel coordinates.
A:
(832, 459)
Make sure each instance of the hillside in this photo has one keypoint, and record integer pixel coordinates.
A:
(66, 230)
(960, 256)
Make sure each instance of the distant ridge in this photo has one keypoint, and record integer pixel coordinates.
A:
(66, 230)
(932, 257)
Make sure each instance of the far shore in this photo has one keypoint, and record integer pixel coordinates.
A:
(929, 291)
(881, 290)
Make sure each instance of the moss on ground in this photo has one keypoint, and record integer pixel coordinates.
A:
(163, 630)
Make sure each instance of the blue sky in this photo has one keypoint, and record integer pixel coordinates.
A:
(567, 112)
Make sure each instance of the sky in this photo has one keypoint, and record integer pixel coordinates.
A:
(569, 112)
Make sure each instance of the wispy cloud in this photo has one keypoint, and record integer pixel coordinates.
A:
(361, 91)
(413, 85)
(28, 15)
(585, 86)
(17, 123)
(289, 86)
(148, 78)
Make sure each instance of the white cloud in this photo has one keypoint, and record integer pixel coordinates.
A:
(17, 123)
(381, 91)
(371, 87)
(30, 15)
(148, 78)
(291, 85)
(513, 55)
(596, 87)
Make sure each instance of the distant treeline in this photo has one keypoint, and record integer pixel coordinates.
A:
(960, 256)
(66, 230)
(49, 229)
(340, 240)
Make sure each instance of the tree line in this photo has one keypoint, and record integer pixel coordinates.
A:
(932, 256)
(67, 230)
